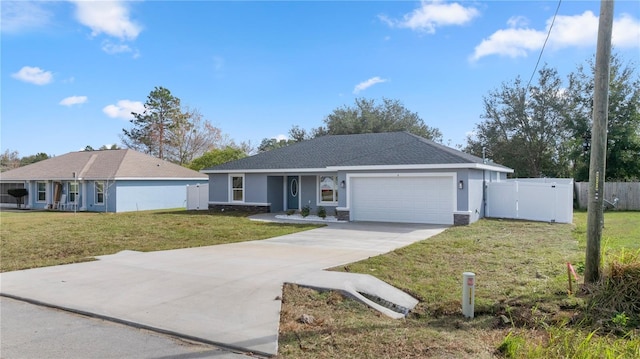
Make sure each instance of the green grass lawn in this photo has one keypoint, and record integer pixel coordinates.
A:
(522, 302)
(621, 230)
(31, 239)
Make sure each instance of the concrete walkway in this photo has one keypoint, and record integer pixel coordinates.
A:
(226, 295)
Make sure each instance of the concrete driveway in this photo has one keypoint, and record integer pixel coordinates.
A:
(226, 295)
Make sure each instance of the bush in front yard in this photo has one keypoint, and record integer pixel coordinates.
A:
(322, 212)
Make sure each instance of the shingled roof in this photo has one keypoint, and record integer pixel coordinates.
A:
(101, 165)
(370, 149)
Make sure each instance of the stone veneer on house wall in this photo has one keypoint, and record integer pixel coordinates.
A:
(239, 208)
(461, 219)
(342, 215)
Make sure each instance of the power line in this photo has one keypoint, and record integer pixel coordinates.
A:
(543, 46)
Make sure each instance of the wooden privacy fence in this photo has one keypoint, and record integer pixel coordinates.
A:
(628, 194)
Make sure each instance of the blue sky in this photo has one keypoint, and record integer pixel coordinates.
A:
(72, 71)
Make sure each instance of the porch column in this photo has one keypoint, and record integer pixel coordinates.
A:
(27, 185)
(48, 194)
(83, 201)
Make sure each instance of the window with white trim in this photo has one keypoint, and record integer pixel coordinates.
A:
(42, 191)
(99, 199)
(328, 189)
(73, 192)
(237, 188)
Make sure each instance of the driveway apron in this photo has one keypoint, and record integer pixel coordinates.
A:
(228, 295)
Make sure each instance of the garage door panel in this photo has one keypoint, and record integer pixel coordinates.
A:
(402, 199)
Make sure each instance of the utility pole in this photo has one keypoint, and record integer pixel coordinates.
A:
(597, 164)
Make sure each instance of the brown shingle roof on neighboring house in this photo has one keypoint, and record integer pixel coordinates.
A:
(101, 165)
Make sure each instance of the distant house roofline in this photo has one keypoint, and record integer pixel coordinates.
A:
(103, 165)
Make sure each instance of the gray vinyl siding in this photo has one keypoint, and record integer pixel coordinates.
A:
(109, 203)
(219, 187)
(475, 196)
(471, 199)
(308, 191)
(342, 192)
(275, 195)
(462, 194)
(255, 187)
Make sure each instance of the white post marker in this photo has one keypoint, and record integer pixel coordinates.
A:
(468, 293)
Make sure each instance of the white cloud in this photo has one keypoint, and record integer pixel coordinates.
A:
(281, 137)
(73, 100)
(113, 49)
(108, 17)
(518, 21)
(368, 83)
(18, 16)
(577, 30)
(123, 109)
(433, 14)
(626, 32)
(34, 75)
(568, 31)
(509, 42)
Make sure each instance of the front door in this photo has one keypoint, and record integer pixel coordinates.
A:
(293, 191)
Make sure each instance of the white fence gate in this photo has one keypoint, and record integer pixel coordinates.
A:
(198, 197)
(536, 199)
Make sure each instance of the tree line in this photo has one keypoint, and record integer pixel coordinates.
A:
(539, 129)
(543, 130)
(365, 116)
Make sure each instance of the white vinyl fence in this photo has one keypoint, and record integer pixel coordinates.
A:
(198, 197)
(535, 199)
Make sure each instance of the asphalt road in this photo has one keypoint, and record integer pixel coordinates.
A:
(32, 331)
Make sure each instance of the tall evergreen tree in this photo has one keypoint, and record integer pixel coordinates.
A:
(150, 132)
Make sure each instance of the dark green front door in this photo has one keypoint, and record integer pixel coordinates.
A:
(293, 191)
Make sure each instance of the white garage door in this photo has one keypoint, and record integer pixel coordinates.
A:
(403, 199)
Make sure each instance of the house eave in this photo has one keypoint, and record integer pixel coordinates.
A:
(70, 179)
(269, 170)
(478, 166)
(161, 179)
(442, 166)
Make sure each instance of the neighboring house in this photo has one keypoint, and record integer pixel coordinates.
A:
(103, 181)
(386, 177)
